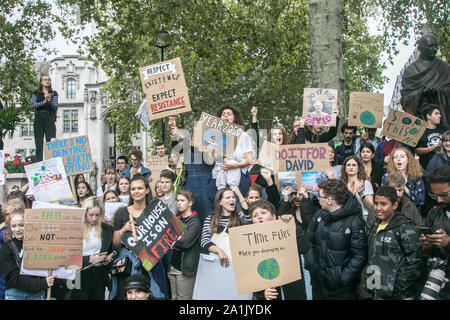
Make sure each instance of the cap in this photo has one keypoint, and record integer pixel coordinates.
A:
(138, 281)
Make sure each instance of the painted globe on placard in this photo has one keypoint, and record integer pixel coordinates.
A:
(367, 118)
(269, 269)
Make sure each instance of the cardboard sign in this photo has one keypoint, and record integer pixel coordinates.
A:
(165, 87)
(156, 164)
(48, 181)
(318, 105)
(75, 152)
(403, 127)
(217, 134)
(53, 238)
(214, 282)
(156, 229)
(264, 255)
(366, 109)
(311, 180)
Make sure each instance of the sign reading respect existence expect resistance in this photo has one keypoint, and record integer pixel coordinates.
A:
(165, 87)
(75, 153)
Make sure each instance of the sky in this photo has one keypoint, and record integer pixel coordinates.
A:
(66, 47)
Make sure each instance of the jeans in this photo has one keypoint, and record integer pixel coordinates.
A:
(44, 124)
(307, 280)
(16, 294)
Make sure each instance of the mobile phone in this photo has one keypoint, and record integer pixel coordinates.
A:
(424, 230)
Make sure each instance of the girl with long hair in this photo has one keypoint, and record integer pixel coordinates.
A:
(44, 102)
(97, 246)
(83, 191)
(374, 172)
(354, 176)
(402, 160)
(123, 188)
(224, 215)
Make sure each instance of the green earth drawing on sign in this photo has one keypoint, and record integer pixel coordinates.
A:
(367, 118)
(269, 269)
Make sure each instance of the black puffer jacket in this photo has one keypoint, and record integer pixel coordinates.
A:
(337, 249)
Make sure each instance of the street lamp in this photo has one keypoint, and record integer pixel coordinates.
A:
(162, 42)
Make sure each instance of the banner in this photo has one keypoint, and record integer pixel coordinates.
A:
(264, 255)
(157, 229)
(48, 182)
(53, 238)
(366, 109)
(214, 282)
(156, 164)
(75, 152)
(403, 127)
(165, 87)
(217, 134)
(318, 105)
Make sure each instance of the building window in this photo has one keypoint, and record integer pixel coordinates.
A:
(27, 130)
(111, 152)
(71, 83)
(70, 123)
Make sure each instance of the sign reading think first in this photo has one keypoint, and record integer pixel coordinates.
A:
(75, 152)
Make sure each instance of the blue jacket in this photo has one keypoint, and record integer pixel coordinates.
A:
(438, 160)
(144, 171)
(340, 151)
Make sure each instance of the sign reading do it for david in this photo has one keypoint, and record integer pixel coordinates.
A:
(165, 87)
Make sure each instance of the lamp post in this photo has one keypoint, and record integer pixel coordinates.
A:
(162, 42)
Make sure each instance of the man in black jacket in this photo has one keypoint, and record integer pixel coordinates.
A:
(337, 243)
(437, 244)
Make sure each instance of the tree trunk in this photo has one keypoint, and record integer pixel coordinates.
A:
(325, 45)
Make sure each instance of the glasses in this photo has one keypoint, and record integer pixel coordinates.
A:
(442, 195)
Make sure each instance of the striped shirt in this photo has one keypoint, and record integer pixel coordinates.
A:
(54, 102)
(223, 222)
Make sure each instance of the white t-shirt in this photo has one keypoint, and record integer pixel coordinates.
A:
(368, 190)
(244, 145)
(94, 245)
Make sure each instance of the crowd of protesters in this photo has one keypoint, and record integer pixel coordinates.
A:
(374, 228)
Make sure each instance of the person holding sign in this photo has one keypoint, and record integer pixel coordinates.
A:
(224, 215)
(186, 250)
(228, 172)
(124, 220)
(262, 211)
(402, 161)
(97, 245)
(44, 102)
(20, 287)
(355, 178)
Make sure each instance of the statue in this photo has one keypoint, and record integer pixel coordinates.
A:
(426, 80)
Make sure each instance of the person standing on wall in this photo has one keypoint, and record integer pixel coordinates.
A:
(44, 102)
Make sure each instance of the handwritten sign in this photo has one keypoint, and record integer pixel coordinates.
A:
(156, 164)
(75, 152)
(318, 106)
(48, 181)
(403, 127)
(157, 228)
(366, 109)
(53, 238)
(217, 134)
(264, 255)
(165, 87)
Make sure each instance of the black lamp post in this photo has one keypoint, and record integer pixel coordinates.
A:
(162, 42)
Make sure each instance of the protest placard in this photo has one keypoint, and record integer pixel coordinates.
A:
(48, 181)
(156, 229)
(264, 255)
(165, 87)
(53, 238)
(75, 152)
(311, 180)
(318, 106)
(217, 134)
(156, 164)
(403, 127)
(2, 166)
(366, 109)
(214, 282)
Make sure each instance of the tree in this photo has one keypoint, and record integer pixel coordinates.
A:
(25, 25)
